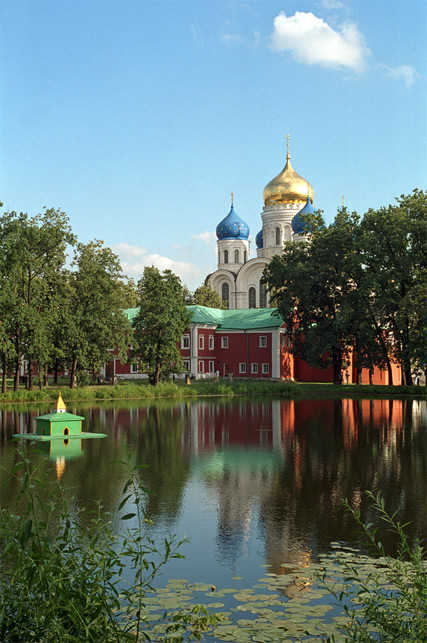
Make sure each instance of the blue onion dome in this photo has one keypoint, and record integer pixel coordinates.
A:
(259, 240)
(232, 227)
(297, 224)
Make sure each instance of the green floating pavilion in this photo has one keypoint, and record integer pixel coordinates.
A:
(58, 425)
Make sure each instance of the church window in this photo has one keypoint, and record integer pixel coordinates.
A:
(242, 367)
(245, 256)
(224, 342)
(225, 292)
(262, 296)
(254, 368)
(263, 341)
(225, 256)
(211, 367)
(201, 367)
(252, 297)
(265, 368)
(185, 341)
(277, 236)
(211, 342)
(236, 256)
(201, 342)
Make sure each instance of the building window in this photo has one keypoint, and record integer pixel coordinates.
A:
(252, 298)
(225, 293)
(201, 342)
(224, 342)
(134, 369)
(242, 367)
(185, 341)
(254, 368)
(186, 365)
(245, 256)
(211, 342)
(263, 341)
(277, 236)
(262, 296)
(201, 367)
(225, 256)
(211, 366)
(266, 368)
(236, 256)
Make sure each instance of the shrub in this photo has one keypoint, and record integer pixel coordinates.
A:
(60, 573)
(391, 602)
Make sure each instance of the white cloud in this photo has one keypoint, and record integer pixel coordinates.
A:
(407, 73)
(206, 237)
(312, 41)
(333, 4)
(232, 39)
(135, 258)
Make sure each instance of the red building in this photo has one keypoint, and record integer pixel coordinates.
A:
(249, 343)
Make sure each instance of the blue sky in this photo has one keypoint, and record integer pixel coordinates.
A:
(138, 119)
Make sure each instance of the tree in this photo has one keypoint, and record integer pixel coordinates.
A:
(161, 320)
(394, 247)
(33, 252)
(91, 315)
(205, 296)
(311, 285)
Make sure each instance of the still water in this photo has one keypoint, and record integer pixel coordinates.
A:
(249, 482)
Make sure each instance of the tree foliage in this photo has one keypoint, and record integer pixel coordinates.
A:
(358, 284)
(205, 296)
(161, 320)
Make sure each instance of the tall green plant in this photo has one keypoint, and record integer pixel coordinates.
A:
(391, 602)
(61, 568)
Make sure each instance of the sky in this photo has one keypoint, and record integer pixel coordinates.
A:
(139, 118)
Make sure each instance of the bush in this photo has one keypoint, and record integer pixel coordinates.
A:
(391, 602)
(60, 573)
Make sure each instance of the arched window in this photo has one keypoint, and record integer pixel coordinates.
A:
(225, 256)
(252, 297)
(225, 293)
(277, 236)
(245, 256)
(262, 295)
(236, 256)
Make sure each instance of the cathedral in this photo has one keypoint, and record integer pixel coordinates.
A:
(238, 277)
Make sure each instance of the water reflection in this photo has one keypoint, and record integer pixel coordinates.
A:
(251, 481)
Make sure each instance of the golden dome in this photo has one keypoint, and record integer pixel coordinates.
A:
(288, 186)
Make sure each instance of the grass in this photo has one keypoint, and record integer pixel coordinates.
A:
(132, 389)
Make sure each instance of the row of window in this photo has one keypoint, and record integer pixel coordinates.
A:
(185, 342)
(265, 368)
(236, 256)
(252, 303)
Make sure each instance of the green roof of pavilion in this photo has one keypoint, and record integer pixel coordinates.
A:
(60, 417)
(243, 319)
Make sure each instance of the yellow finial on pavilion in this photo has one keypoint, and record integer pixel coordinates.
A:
(60, 404)
(288, 138)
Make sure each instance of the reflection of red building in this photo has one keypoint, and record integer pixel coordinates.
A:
(249, 343)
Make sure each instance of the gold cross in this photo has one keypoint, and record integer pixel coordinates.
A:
(232, 198)
(343, 200)
(288, 138)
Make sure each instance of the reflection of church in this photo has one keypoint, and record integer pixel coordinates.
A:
(238, 278)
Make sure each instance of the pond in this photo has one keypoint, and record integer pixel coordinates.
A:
(251, 483)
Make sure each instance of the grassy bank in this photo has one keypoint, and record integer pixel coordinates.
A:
(223, 388)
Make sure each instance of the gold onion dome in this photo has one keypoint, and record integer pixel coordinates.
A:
(288, 186)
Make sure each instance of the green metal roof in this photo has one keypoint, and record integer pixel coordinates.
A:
(60, 417)
(244, 319)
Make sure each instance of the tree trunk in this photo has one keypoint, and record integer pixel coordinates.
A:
(45, 376)
(30, 374)
(337, 363)
(17, 370)
(55, 373)
(371, 377)
(73, 377)
(406, 376)
(358, 375)
(4, 382)
(390, 373)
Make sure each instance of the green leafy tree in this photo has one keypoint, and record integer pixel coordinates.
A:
(394, 247)
(33, 254)
(92, 309)
(205, 296)
(161, 320)
(310, 284)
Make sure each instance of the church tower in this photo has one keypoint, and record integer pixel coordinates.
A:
(284, 197)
